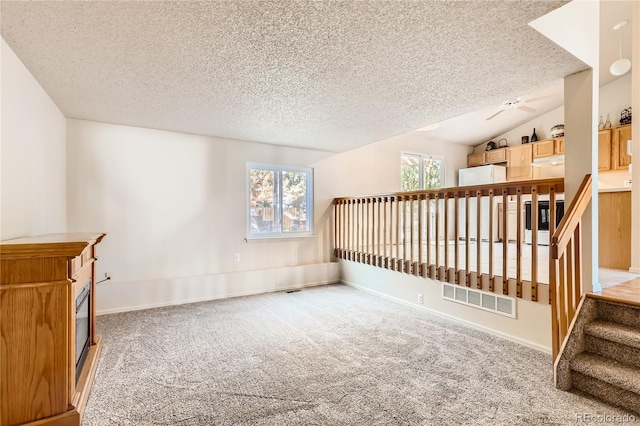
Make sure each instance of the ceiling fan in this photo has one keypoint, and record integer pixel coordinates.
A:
(519, 103)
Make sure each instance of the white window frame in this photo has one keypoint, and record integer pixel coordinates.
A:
(421, 167)
(250, 235)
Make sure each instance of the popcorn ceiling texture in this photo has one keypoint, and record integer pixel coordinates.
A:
(323, 75)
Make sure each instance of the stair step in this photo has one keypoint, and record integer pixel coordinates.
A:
(604, 391)
(614, 332)
(613, 372)
(619, 312)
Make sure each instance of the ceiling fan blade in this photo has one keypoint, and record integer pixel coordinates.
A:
(499, 112)
(526, 108)
(539, 98)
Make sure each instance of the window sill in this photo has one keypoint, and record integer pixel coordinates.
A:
(268, 237)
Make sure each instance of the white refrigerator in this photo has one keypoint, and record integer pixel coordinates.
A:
(481, 175)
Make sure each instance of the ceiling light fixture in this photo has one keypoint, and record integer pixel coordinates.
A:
(622, 65)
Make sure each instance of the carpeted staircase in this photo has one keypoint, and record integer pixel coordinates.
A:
(601, 356)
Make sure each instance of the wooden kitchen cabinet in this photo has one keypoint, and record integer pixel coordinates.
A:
(559, 146)
(604, 150)
(543, 148)
(619, 137)
(475, 159)
(496, 156)
(614, 248)
(612, 149)
(519, 159)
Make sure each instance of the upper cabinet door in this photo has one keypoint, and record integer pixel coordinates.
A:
(519, 160)
(604, 150)
(621, 159)
(543, 148)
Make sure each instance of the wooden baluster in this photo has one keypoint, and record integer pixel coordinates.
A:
(372, 240)
(491, 239)
(577, 240)
(456, 268)
(553, 298)
(562, 298)
(429, 237)
(552, 229)
(446, 237)
(360, 228)
(467, 243)
(505, 244)
(335, 229)
(534, 237)
(570, 279)
(398, 237)
(478, 239)
(437, 198)
(420, 240)
(519, 238)
(410, 269)
(380, 226)
(387, 228)
(350, 230)
(365, 230)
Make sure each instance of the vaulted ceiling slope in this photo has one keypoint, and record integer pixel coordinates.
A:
(325, 75)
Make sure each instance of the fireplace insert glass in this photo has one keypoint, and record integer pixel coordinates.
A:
(83, 326)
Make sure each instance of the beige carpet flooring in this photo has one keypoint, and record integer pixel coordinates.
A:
(330, 355)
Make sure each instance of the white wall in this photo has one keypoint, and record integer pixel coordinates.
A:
(173, 207)
(32, 148)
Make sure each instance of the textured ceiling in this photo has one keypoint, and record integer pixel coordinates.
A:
(325, 75)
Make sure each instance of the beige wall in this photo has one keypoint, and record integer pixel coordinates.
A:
(174, 209)
(32, 144)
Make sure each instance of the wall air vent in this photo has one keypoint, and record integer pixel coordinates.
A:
(498, 304)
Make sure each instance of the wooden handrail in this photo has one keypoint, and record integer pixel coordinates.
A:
(572, 216)
(565, 266)
(512, 188)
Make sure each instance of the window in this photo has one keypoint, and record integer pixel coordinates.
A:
(419, 171)
(280, 201)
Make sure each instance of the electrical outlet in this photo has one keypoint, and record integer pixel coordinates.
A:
(236, 257)
(107, 275)
(420, 298)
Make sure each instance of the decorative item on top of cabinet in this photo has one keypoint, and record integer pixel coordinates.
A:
(525, 139)
(534, 137)
(557, 131)
(491, 145)
(619, 137)
(607, 124)
(519, 159)
(625, 116)
(475, 159)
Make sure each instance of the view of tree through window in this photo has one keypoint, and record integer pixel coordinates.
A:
(419, 171)
(280, 200)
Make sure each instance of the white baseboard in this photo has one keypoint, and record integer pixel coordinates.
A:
(124, 296)
(634, 270)
(476, 326)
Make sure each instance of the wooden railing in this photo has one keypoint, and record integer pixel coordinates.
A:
(565, 266)
(450, 235)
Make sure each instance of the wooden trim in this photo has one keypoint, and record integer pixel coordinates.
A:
(571, 217)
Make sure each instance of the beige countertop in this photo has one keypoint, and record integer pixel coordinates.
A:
(622, 189)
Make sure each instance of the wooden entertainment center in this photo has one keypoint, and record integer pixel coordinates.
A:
(44, 281)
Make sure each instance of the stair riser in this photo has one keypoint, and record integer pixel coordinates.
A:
(611, 394)
(612, 350)
(622, 314)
